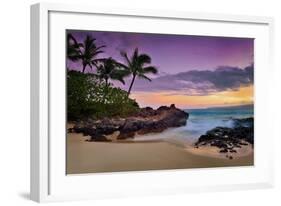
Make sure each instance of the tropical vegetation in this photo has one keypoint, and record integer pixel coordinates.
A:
(92, 94)
(86, 52)
(110, 69)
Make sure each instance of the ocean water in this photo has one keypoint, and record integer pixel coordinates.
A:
(200, 121)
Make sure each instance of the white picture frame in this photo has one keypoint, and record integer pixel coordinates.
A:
(47, 180)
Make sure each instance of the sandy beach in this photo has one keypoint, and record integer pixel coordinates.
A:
(92, 157)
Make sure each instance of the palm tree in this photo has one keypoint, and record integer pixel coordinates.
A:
(137, 66)
(109, 69)
(73, 48)
(86, 51)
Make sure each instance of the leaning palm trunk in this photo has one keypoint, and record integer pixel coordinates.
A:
(131, 85)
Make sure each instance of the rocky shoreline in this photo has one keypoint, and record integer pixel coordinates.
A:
(228, 140)
(147, 120)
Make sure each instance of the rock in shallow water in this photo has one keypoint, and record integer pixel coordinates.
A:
(229, 138)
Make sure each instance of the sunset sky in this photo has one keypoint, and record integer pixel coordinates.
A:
(194, 71)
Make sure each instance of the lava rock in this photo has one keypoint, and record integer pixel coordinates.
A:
(147, 120)
(242, 133)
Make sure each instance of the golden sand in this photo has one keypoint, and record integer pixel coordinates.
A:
(91, 157)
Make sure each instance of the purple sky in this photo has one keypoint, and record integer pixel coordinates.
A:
(175, 53)
(187, 65)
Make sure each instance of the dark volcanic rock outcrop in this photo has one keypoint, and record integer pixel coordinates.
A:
(227, 139)
(147, 120)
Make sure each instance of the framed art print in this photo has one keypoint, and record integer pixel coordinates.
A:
(131, 102)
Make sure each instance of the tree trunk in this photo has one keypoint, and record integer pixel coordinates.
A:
(131, 85)
(84, 68)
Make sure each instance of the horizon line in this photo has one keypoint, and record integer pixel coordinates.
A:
(236, 105)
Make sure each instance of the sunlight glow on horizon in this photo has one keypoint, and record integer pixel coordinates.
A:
(245, 95)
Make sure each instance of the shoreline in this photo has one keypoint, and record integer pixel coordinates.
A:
(215, 152)
(129, 155)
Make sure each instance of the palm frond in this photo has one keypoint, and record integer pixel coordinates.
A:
(118, 77)
(123, 66)
(73, 48)
(125, 56)
(144, 59)
(150, 69)
(70, 38)
(100, 47)
(135, 55)
(88, 54)
(120, 73)
(142, 76)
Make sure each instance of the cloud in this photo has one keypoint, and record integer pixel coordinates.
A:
(194, 82)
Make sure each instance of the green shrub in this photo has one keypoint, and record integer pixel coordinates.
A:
(87, 96)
